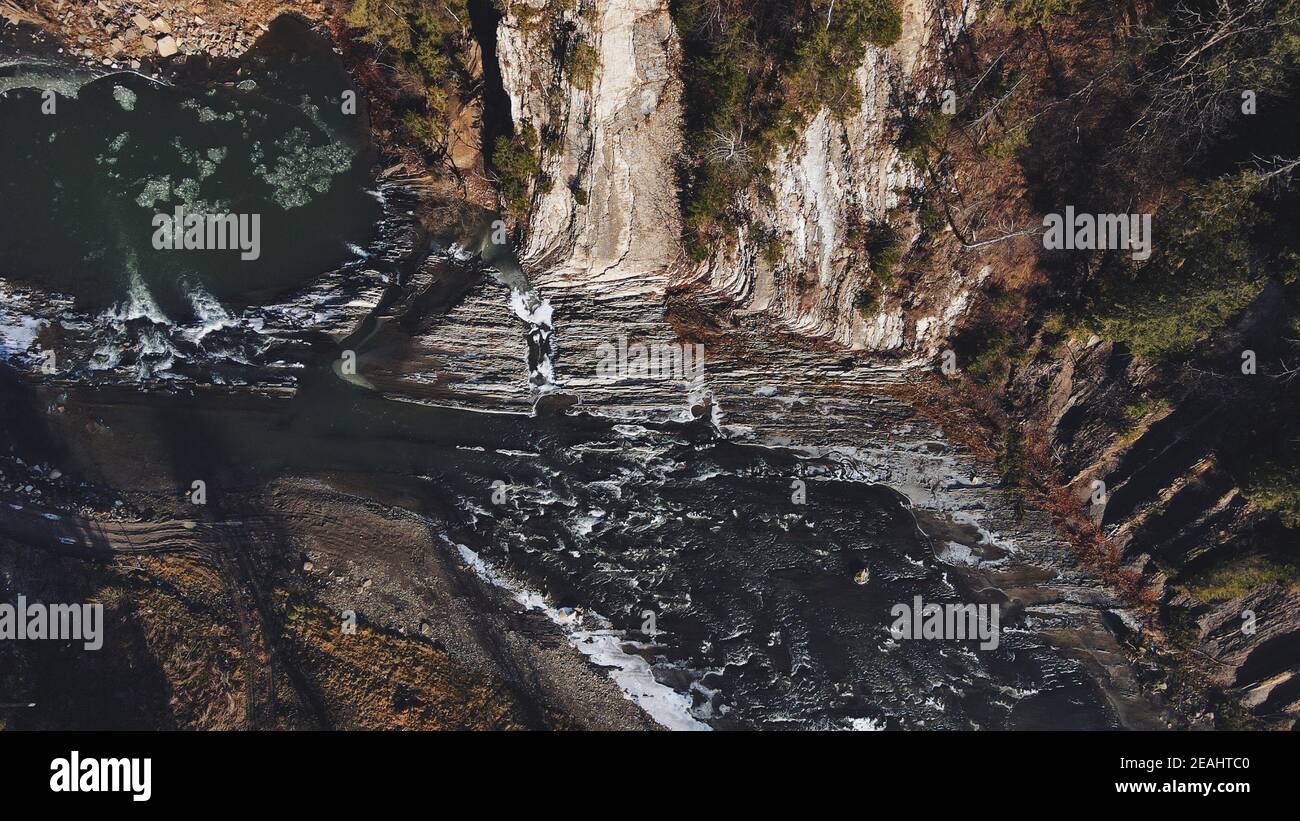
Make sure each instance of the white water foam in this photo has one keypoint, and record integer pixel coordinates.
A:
(604, 648)
(537, 313)
(18, 334)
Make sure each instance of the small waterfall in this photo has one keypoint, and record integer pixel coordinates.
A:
(536, 311)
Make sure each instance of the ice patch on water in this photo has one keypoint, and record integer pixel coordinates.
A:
(301, 169)
(125, 97)
(45, 75)
(17, 333)
(156, 189)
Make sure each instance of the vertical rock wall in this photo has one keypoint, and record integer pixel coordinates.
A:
(618, 145)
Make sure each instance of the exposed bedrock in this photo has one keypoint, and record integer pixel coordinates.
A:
(602, 240)
(1171, 505)
(839, 171)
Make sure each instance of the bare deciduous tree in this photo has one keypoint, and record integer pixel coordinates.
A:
(1204, 59)
(728, 148)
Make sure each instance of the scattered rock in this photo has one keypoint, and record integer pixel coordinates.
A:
(167, 46)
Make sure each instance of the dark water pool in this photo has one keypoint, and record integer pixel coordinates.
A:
(80, 187)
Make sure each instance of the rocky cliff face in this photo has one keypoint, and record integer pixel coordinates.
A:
(605, 234)
(839, 172)
(618, 143)
(600, 242)
(1169, 503)
(615, 143)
